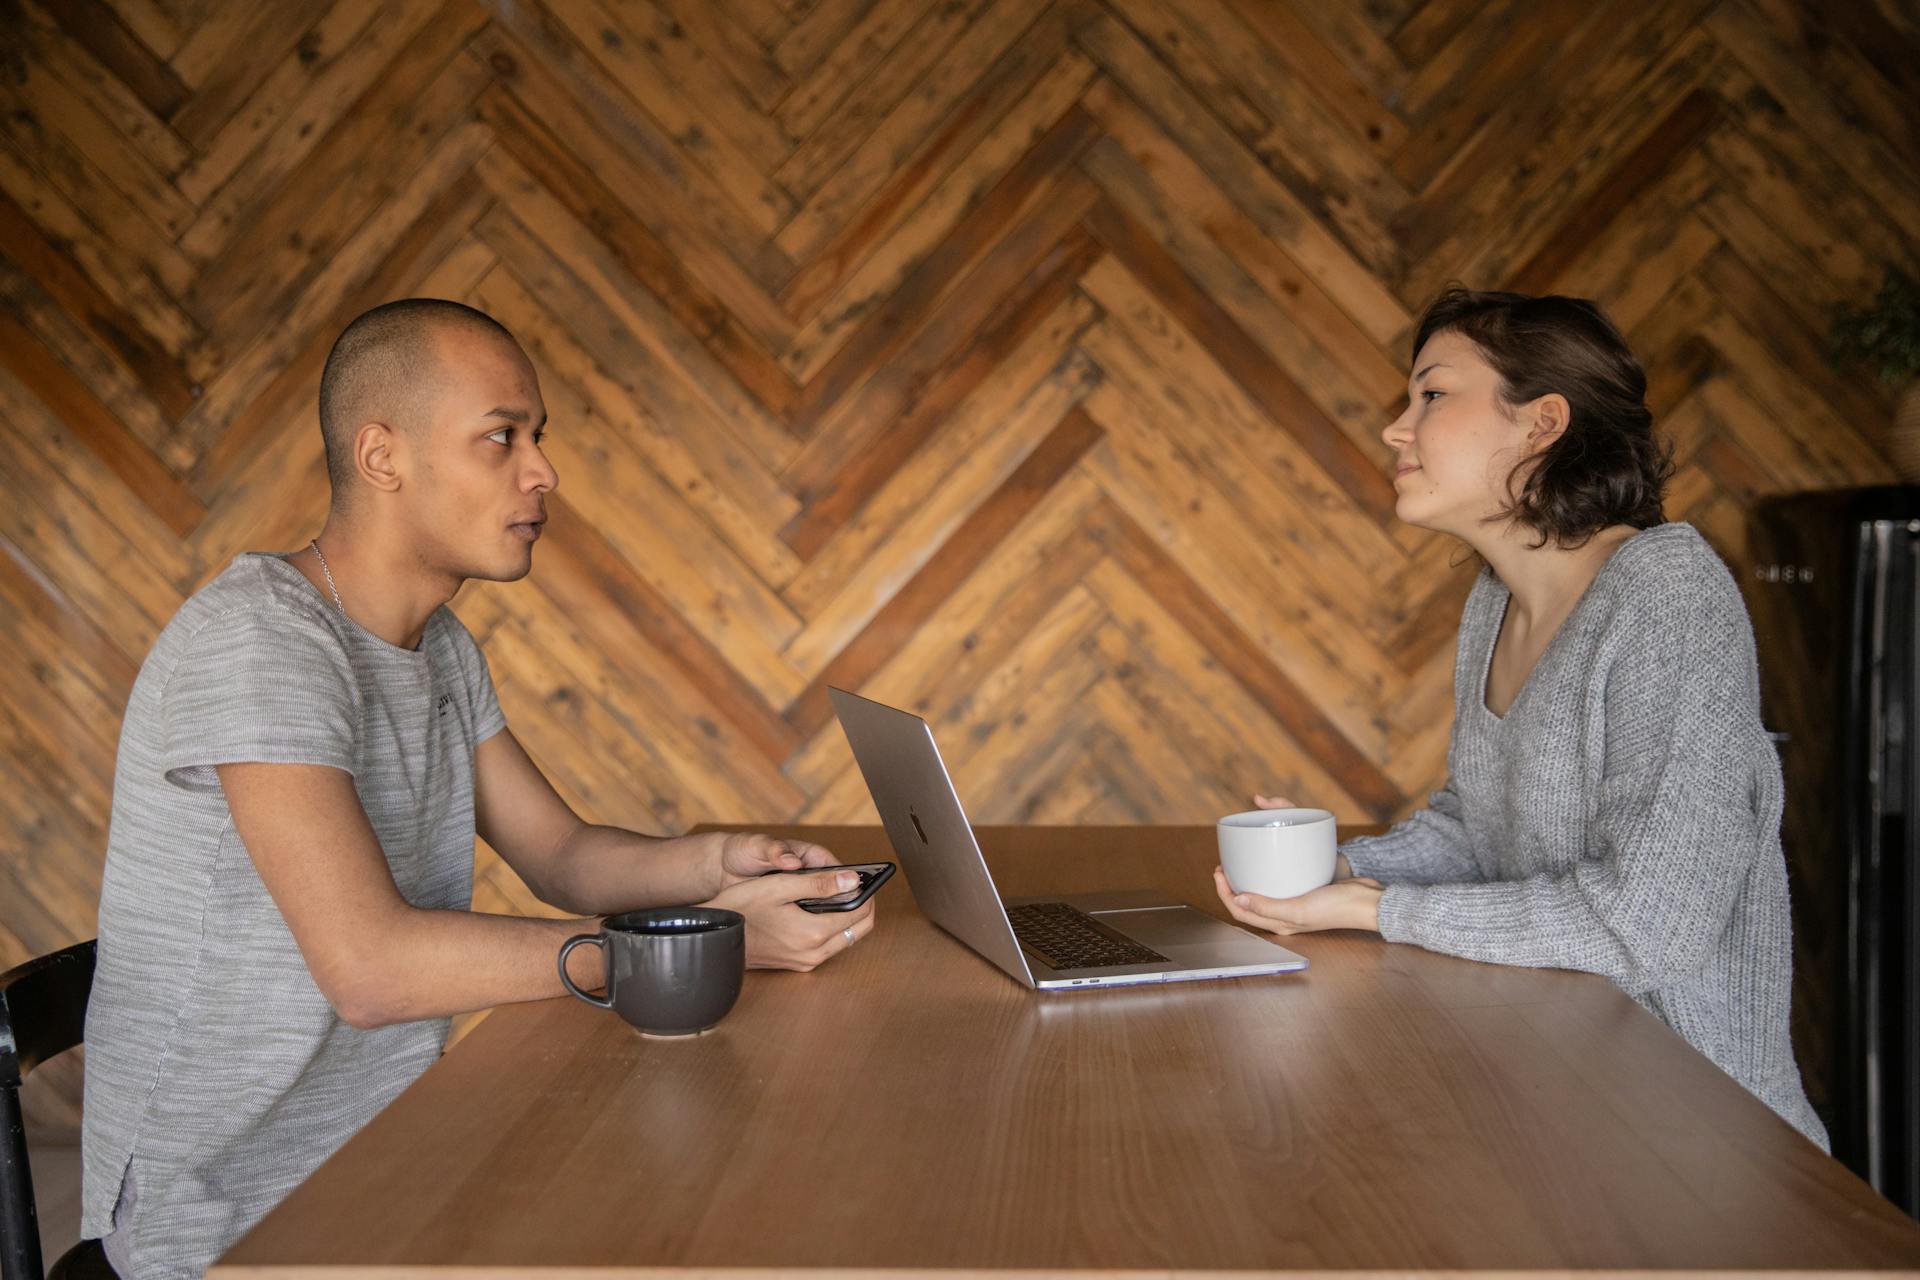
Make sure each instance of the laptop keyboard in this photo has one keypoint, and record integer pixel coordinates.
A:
(1070, 939)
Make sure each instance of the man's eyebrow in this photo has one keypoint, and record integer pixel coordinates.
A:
(513, 415)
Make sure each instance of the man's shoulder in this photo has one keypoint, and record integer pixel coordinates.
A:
(257, 599)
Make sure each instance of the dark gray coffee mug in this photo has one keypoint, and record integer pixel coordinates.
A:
(671, 971)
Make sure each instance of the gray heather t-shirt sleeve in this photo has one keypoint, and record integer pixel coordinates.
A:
(261, 684)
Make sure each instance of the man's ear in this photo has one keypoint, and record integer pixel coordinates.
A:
(1551, 417)
(373, 456)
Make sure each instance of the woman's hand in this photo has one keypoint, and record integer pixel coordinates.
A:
(1345, 904)
(1342, 869)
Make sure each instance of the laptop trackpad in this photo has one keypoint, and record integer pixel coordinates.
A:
(1165, 927)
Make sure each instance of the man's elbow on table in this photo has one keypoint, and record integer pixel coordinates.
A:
(364, 973)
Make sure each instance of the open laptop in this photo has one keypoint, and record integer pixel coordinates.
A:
(1089, 940)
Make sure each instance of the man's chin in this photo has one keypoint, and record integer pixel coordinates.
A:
(510, 567)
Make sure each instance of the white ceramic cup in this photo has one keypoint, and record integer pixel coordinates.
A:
(1277, 853)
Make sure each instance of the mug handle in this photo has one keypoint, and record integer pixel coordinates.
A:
(597, 939)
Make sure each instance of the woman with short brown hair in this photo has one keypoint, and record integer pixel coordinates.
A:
(1613, 803)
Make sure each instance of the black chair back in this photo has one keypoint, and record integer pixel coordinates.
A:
(43, 1012)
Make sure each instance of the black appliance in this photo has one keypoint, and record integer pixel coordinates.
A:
(1836, 612)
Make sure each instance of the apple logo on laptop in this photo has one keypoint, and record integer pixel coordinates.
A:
(916, 824)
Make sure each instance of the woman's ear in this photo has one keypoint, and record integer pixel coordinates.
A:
(1551, 417)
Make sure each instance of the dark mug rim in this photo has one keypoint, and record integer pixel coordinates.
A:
(673, 922)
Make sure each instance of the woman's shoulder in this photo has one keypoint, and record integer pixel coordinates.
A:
(1669, 581)
(1670, 562)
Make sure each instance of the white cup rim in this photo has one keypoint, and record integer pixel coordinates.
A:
(1261, 819)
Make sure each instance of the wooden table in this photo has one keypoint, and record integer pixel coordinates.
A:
(908, 1106)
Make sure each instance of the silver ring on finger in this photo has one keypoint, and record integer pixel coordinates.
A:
(847, 933)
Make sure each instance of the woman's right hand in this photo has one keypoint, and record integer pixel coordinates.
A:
(1342, 869)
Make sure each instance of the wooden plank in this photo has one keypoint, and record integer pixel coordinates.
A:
(890, 172)
(1344, 61)
(1313, 321)
(720, 64)
(824, 30)
(874, 555)
(1617, 107)
(1865, 404)
(560, 86)
(1307, 518)
(58, 128)
(1881, 166)
(227, 57)
(902, 381)
(980, 627)
(104, 32)
(67, 198)
(1490, 61)
(674, 358)
(1651, 243)
(118, 583)
(1812, 200)
(832, 500)
(702, 313)
(641, 63)
(584, 573)
(1031, 483)
(1281, 325)
(1344, 185)
(1347, 278)
(116, 331)
(1161, 597)
(1142, 474)
(830, 61)
(1039, 354)
(874, 252)
(73, 404)
(1679, 133)
(1250, 366)
(65, 42)
(295, 234)
(839, 350)
(934, 32)
(291, 113)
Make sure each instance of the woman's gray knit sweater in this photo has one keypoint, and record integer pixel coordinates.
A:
(1622, 818)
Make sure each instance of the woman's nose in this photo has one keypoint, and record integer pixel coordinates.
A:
(1395, 432)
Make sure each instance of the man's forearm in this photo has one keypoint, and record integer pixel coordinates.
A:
(603, 870)
(434, 964)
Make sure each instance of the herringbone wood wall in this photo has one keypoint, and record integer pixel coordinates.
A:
(1020, 362)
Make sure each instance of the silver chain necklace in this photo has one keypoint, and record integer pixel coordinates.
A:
(315, 544)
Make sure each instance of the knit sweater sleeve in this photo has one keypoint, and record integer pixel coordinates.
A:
(1687, 780)
(1429, 847)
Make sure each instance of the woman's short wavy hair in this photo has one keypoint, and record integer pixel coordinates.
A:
(1607, 468)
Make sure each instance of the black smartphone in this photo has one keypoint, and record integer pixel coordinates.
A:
(872, 876)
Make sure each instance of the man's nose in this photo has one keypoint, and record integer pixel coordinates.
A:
(541, 475)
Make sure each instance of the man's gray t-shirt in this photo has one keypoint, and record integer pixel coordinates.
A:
(217, 1075)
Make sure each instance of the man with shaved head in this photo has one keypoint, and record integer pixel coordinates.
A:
(310, 748)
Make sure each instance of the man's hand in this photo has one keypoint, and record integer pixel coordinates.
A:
(783, 936)
(1344, 904)
(746, 855)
